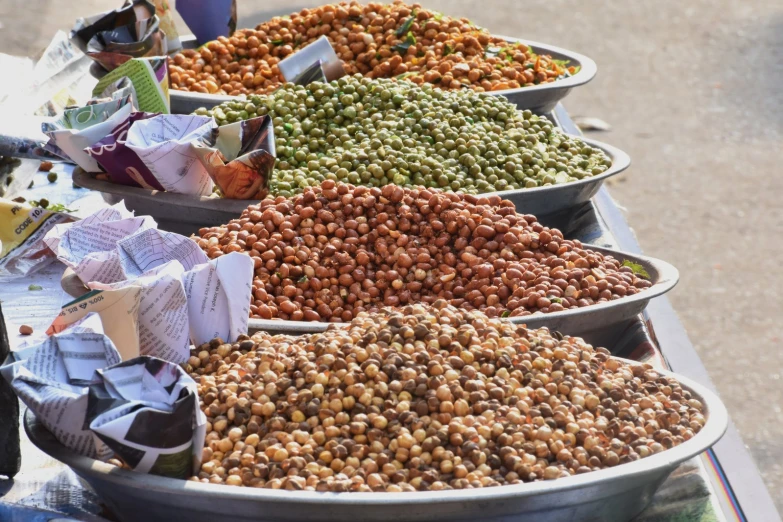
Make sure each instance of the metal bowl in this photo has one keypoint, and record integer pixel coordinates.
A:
(579, 321)
(186, 214)
(617, 494)
(537, 98)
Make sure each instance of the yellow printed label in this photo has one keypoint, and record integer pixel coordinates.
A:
(17, 223)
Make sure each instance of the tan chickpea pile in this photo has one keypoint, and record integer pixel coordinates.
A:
(337, 250)
(376, 40)
(429, 398)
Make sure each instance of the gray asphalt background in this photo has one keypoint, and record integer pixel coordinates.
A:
(694, 93)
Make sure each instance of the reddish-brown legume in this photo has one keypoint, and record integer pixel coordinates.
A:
(337, 250)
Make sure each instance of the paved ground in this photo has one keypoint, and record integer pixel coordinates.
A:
(693, 92)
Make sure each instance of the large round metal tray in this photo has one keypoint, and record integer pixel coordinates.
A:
(579, 321)
(538, 98)
(186, 214)
(617, 494)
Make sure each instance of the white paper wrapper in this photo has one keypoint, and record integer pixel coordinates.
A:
(163, 143)
(88, 246)
(51, 378)
(219, 298)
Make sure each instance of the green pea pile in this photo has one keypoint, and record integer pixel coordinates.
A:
(377, 132)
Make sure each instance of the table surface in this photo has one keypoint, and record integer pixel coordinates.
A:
(694, 492)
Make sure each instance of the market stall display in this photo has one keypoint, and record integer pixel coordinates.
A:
(392, 224)
(390, 413)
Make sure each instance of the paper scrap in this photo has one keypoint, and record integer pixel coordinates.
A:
(114, 37)
(144, 411)
(22, 231)
(219, 298)
(88, 246)
(121, 164)
(77, 129)
(241, 158)
(118, 311)
(314, 62)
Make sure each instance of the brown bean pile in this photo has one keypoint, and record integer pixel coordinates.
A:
(337, 250)
(429, 398)
(376, 40)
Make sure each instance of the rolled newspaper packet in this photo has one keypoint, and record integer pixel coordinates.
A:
(121, 164)
(164, 145)
(240, 157)
(147, 411)
(52, 379)
(114, 37)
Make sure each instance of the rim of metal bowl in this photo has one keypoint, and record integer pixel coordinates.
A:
(713, 430)
(620, 162)
(587, 68)
(587, 71)
(668, 276)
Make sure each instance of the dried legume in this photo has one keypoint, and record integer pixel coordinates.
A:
(377, 41)
(337, 250)
(429, 398)
(379, 132)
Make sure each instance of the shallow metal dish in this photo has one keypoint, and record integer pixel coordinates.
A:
(617, 494)
(580, 321)
(538, 98)
(186, 214)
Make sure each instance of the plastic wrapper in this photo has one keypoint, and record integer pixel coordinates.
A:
(22, 232)
(113, 38)
(208, 19)
(82, 127)
(144, 411)
(121, 164)
(150, 80)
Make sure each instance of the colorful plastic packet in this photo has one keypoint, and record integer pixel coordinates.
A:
(150, 80)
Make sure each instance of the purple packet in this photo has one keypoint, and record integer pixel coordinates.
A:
(122, 164)
(209, 19)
